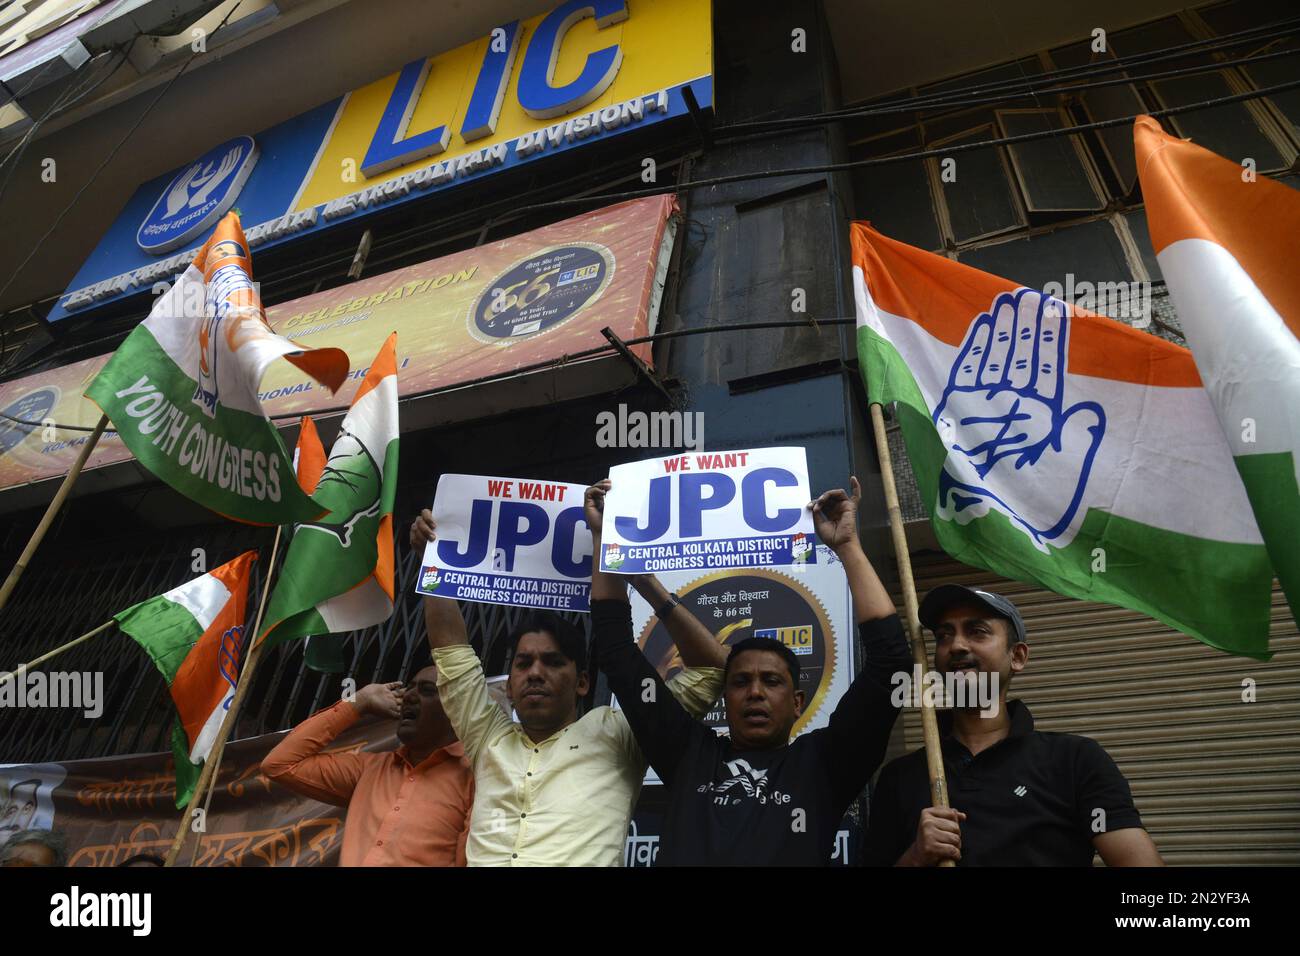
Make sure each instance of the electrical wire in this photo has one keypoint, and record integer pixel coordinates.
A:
(780, 126)
(898, 157)
(74, 94)
(765, 174)
(112, 153)
(1256, 34)
(1023, 87)
(744, 177)
(593, 352)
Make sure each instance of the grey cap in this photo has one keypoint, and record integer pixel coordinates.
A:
(946, 595)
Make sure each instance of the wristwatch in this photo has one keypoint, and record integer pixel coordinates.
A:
(671, 603)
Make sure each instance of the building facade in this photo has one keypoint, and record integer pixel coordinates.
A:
(458, 122)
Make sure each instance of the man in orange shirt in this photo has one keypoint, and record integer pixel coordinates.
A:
(406, 808)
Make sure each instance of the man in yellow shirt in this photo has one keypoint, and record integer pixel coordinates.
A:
(555, 788)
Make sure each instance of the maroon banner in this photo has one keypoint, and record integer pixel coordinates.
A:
(112, 808)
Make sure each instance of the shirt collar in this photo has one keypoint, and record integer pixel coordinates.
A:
(1022, 721)
(402, 755)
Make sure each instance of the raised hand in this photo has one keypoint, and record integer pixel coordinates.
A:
(835, 516)
(1013, 445)
(593, 505)
(380, 700)
(423, 530)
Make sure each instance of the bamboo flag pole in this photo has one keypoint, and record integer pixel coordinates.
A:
(929, 719)
(207, 776)
(51, 512)
(57, 651)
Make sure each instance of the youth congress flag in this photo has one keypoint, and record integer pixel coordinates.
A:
(1056, 446)
(338, 572)
(195, 635)
(1226, 244)
(181, 391)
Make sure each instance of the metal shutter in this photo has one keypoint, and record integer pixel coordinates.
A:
(1217, 780)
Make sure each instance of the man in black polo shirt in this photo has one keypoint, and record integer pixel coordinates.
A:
(756, 798)
(1019, 796)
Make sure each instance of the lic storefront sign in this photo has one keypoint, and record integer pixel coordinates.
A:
(581, 72)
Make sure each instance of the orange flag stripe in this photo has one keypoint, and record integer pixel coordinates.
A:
(938, 294)
(1257, 222)
(385, 364)
(197, 689)
(311, 456)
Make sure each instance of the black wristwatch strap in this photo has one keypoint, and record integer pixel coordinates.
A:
(671, 603)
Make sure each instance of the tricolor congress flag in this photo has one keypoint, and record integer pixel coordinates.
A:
(182, 389)
(338, 572)
(1227, 246)
(1056, 446)
(195, 635)
(324, 652)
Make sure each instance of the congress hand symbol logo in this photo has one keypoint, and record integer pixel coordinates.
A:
(1013, 444)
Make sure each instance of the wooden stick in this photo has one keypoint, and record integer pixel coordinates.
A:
(208, 776)
(57, 651)
(929, 719)
(51, 512)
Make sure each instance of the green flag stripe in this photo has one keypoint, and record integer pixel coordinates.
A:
(325, 653)
(165, 630)
(187, 773)
(303, 624)
(1275, 498)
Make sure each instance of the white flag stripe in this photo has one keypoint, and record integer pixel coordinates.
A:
(365, 604)
(204, 597)
(372, 420)
(1251, 368)
(211, 727)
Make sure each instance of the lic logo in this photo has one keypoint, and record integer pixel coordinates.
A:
(198, 196)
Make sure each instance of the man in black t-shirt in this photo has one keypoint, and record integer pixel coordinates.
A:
(1019, 796)
(757, 798)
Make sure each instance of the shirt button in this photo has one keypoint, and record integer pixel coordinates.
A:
(536, 751)
(530, 773)
(522, 815)
(514, 856)
(379, 843)
(397, 808)
(411, 777)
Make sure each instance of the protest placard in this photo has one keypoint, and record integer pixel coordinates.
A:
(707, 510)
(509, 541)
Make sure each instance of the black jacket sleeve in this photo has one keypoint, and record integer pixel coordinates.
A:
(887, 833)
(661, 725)
(858, 731)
